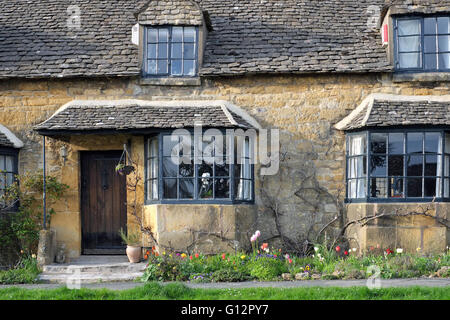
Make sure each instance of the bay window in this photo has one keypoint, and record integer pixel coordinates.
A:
(205, 169)
(398, 165)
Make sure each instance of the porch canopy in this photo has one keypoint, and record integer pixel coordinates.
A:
(140, 116)
(388, 110)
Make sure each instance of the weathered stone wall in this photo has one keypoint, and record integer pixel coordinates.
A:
(304, 108)
(414, 233)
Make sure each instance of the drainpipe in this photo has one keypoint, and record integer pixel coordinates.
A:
(44, 195)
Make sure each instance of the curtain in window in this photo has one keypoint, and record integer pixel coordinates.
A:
(153, 169)
(244, 187)
(439, 170)
(447, 166)
(356, 170)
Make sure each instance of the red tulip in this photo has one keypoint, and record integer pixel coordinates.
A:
(223, 256)
(338, 249)
(346, 252)
(196, 255)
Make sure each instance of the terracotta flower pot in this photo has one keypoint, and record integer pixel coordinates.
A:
(134, 254)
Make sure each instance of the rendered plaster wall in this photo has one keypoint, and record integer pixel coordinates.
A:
(414, 233)
(304, 108)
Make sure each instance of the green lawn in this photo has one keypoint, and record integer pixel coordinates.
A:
(155, 291)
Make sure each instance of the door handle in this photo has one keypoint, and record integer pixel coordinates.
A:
(105, 180)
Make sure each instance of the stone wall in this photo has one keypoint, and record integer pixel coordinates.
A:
(304, 108)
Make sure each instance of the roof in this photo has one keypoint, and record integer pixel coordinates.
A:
(9, 139)
(384, 110)
(94, 116)
(40, 39)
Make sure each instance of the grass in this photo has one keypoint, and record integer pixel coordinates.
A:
(178, 291)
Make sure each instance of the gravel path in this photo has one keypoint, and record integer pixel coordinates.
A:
(274, 284)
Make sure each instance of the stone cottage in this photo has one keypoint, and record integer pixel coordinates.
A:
(357, 89)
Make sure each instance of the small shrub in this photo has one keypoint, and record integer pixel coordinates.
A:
(26, 271)
(266, 268)
(229, 275)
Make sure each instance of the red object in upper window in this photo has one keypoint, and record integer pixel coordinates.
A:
(385, 34)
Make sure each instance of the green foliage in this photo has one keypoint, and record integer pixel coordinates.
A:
(130, 238)
(266, 268)
(26, 271)
(20, 229)
(229, 275)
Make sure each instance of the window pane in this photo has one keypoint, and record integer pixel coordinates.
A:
(414, 187)
(177, 51)
(151, 66)
(395, 166)
(176, 68)
(162, 51)
(446, 188)
(408, 44)
(378, 142)
(170, 188)
(446, 166)
(186, 188)
(222, 188)
(186, 169)
(177, 34)
(431, 61)
(378, 166)
(2, 163)
(433, 142)
(396, 143)
(152, 189)
(189, 34)
(189, 67)
(409, 60)
(443, 25)
(430, 165)
(356, 145)
(396, 187)
(444, 43)
(151, 51)
(170, 145)
(378, 188)
(415, 166)
(444, 61)
(357, 167)
(414, 142)
(189, 51)
(243, 189)
(430, 44)
(408, 27)
(205, 188)
(152, 35)
(222, 169)
(163, 35)
(9, 164)
(205, 169)
(430, 25)
(430, 187)
(162, 66)
(170, 169)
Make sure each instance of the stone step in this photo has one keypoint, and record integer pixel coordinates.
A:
(87, 277)
(97, 268)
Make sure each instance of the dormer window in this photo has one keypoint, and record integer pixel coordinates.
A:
(422, 43)
(171, 51)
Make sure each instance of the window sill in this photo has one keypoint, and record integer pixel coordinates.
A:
(421, 77)
(196, 81)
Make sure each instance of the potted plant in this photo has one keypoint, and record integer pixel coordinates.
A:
(133, 242)
(124, 169)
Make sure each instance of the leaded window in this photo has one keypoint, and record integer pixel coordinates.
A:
(8, 171)
(422, 43)
(209, 168)
(171, 51)
(398, 165)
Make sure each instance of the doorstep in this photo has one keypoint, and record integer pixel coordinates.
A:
(93, 269)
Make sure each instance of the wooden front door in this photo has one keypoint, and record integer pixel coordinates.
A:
(103, 203)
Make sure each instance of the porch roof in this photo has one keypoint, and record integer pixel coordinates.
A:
(9, 139)
(387, 110)
(138, 116)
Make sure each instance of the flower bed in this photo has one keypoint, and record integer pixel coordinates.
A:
(268, 264)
